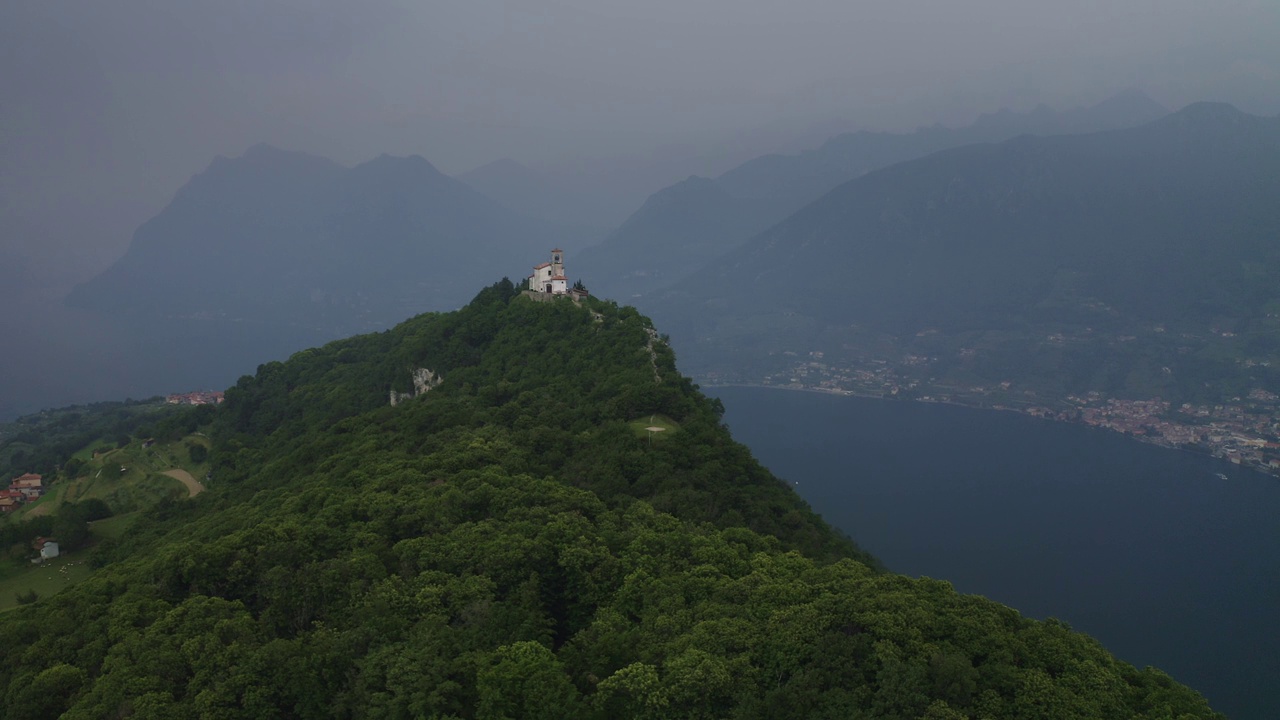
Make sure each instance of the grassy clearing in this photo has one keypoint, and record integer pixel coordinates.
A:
(46, 505)
(641, 426)
(127, 478)
(45, 579)
(86, 453)
(112, 528)
(48, 578)
(129, 491)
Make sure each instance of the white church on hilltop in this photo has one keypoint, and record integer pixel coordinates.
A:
(548, 278)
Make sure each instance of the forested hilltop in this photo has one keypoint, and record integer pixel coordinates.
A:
(513, 541)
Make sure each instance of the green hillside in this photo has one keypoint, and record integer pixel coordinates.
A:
(92, 500)
(507, 545)
(128, 478)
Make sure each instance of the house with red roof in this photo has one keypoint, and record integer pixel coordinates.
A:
(11, 500)
(31, 485)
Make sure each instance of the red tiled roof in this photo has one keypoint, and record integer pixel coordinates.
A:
(560, 277)
(539, 267)
(29, 476)
(557, 250)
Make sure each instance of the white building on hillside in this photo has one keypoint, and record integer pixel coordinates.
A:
(549, 277)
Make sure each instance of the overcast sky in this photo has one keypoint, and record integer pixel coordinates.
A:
(107, 107)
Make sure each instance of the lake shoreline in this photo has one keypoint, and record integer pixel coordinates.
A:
(1143, 439)
(1146, 551)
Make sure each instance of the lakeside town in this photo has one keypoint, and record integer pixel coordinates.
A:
(1244, 430)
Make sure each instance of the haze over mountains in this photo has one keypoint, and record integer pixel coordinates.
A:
(1147, 256)
(291, 238)
(1084, 234)
(284, 237)
(255, 258)
(562, 526)
(594, 197)
(523, 190)
(687, 224)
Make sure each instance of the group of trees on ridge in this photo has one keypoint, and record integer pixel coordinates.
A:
(507, 546)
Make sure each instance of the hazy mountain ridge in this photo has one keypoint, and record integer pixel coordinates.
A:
(637, 258)
(1105, 235)
(536, 195)
(288, 237)
(692, 216)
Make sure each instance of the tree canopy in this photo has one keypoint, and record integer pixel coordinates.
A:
(504, 545)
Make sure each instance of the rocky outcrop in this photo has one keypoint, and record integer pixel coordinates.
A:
(423, 381)
(653, 354)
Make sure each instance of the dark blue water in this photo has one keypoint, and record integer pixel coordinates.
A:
(1142, 547)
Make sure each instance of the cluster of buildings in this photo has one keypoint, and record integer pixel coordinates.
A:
(873, 378)
(1245, 432)
(1134, 417)
(1241, 434)
(22, 489)
(200, 397)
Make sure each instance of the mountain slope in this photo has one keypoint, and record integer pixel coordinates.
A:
(287, 237)
(506, 544)
(692, 218)
(1101, 239)
(686, 225)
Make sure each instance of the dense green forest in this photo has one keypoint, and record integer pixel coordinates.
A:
(514, 543)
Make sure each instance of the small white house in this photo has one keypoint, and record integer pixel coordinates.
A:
(49, 550)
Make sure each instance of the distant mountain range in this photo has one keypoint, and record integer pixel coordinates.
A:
(288, 237)
(1140, 261)
(539, 196)
(688, 224)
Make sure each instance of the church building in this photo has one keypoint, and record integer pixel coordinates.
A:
(549, 277)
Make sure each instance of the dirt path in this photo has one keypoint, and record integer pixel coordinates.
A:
(194, 487)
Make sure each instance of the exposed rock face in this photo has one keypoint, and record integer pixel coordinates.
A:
(653, 354)
(423, 381)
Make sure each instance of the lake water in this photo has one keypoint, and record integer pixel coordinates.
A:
(1142, 547)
